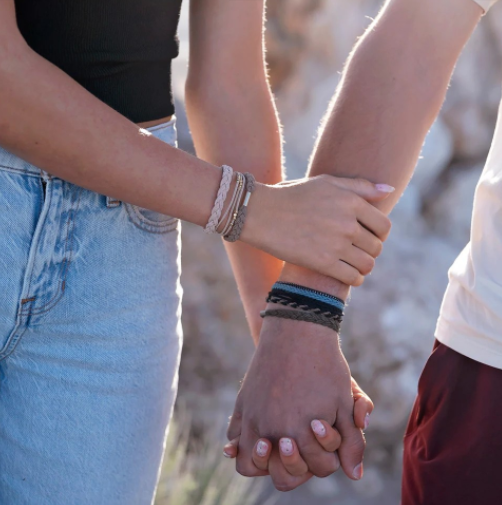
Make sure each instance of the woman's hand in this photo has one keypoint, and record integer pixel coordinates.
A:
(325, 223)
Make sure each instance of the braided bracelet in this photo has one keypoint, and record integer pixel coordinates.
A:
(301, 315)
(226, 179)
(305, 304)
(240, 218)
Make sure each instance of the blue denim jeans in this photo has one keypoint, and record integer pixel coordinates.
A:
(90, 340)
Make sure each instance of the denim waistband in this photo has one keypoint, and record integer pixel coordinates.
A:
(12, 163)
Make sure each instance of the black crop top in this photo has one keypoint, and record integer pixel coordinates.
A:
(119, 50)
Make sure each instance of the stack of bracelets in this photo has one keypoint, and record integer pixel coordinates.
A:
(308, 305)
(229, 224)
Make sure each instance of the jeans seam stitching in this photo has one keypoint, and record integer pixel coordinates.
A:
(65, 264)
(20, 171)
(146, 225)
(12, 341)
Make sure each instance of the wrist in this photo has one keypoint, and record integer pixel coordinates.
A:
(254, 226)
(308, 278)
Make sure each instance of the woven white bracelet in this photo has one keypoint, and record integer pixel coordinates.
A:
(226, 179)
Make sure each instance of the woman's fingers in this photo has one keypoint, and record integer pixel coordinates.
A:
(231, 449)
(360, 260)
(291, 458)
(376, 222)
(348, 274)
(368, 242)
(326, 435)
(261, 454)
(363, 406)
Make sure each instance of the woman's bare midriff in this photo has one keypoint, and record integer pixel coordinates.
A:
(155, 122)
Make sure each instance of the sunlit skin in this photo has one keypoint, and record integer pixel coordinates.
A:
(233, 120)
(327, 437)
(391, 92)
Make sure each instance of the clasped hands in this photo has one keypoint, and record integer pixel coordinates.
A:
(299, 412)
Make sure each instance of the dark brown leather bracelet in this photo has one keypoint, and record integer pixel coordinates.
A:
(303, 315)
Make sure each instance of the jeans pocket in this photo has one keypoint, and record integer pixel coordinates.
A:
(149, 220)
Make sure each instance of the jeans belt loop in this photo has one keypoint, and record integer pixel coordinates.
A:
(112, 202)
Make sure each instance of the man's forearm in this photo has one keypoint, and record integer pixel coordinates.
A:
(391, 92)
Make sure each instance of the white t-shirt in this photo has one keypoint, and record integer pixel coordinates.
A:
(470, 321)
(486, 4)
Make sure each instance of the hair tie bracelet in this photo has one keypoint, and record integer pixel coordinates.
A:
(300, 315)
(226, 179)
(312, 294)
(240, 217)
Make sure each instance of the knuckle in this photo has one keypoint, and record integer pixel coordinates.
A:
(356, 443)
(329, 468)
(325, 472)
(351, 229)
(368, 266)
(296, 471)
(244, 469)
(354, 202)
(359, 280)
(283, 486)
(378, 249)
(387, 225)
(354, 278)
(332, 446)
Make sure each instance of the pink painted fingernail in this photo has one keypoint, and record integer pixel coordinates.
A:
(385, 188)
(358, 471)
(286, 445)
(318, 428)
(261, 448)
(226, 454)
(366, 421)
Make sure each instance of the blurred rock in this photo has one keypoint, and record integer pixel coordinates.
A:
(451, 212)
(436, 155)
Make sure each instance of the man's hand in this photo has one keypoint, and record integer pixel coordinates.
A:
(297, 374)
(327, 436)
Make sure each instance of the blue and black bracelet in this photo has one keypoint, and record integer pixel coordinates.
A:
(312, 294)
(309, 304)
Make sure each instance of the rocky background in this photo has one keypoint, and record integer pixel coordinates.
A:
(390, 322)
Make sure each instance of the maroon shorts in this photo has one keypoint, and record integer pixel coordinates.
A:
(453, 443)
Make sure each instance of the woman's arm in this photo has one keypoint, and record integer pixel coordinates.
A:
(49, 120)
(233, 119)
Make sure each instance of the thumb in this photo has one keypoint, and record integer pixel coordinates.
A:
(234, 426)
(363, 406)
(231, 449)
(351, 450)
(364, 188)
